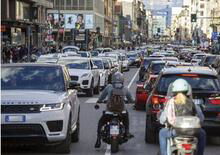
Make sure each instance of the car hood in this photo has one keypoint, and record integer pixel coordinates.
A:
(78, 72)
(31, 97)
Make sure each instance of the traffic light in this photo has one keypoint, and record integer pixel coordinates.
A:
(193, 17)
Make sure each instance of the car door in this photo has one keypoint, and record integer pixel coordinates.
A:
(95, 73)
(72, 98)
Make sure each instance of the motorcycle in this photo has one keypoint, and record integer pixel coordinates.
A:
(185, 142)
(113, 132)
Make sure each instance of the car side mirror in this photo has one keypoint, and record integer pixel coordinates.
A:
(147, 87)
(106, 67)
(73, 85)
(95, 67)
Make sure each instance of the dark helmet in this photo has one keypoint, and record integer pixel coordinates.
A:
(117, 78)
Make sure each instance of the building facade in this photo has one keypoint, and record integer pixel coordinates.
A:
(93, 14)
(23, 22)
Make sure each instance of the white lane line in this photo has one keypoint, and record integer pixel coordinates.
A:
(108, 150)
(131, 82)
(92, 100)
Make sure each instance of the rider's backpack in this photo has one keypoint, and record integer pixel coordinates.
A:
(116, 101)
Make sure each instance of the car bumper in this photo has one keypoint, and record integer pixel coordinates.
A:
(102, 81)
(85, 83)
(37, 125)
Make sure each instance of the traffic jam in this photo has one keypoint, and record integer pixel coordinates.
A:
(54, 105)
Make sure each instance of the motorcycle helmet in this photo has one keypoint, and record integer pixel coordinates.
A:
(118, 80)
(180, 85)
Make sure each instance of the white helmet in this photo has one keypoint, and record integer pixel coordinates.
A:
(180, 85)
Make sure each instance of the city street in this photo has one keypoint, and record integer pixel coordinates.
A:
(88, 125)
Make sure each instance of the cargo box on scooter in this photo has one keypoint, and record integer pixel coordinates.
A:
(187, 125)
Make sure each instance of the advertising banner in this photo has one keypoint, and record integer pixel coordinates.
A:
(70, 21)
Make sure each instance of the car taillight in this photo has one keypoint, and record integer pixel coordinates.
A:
(187, 146)
(214, 100)
(140, 89)
(158, 99)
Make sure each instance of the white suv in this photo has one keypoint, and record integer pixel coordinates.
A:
(83, 72)
(39, 102)
(102, 71)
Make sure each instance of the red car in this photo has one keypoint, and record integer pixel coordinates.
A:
(142, 92)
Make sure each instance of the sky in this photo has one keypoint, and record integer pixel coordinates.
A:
(163, 3)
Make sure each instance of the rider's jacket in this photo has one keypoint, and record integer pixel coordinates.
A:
(108, 91)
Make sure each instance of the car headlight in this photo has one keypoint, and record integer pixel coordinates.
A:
(85, 75)
(52, 107)
(101, 74)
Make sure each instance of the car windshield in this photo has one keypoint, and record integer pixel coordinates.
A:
(47, 59)
(132, 55)
(32, 77)
(83, 54)
(78, 65)
(98, 63)
(156, 68)
(70, 50)
(198, 82)
(198, 56)
(95, 53)
(209, 60)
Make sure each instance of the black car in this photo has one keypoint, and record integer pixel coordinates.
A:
(154, 68)
(211, 60)
(144, 66)
(206, 91)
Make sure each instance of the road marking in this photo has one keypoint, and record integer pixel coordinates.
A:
(131, 82)
(92, 100)
(108, 150)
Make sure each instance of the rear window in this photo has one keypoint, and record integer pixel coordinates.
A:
(156, 68)
(209, 60)
(200, 83)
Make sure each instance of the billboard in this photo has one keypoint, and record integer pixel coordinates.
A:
(56, 20)
(70, 21)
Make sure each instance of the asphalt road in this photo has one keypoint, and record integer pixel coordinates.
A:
(88, 126)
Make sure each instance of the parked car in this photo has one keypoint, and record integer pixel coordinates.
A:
(206, 92)
(39, 105)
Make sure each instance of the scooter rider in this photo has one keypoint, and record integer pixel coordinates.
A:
(180, 103)
(118, 87)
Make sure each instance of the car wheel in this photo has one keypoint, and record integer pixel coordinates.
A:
(90, 91)
(150, 134)
(76, 133)
(97, 88)
(64, 147)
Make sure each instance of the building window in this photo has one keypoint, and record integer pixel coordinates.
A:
(89, 5)
(22, 10)
(81, 4)
(202, 13)
(68, 5)
(202, 5)
(75, 4)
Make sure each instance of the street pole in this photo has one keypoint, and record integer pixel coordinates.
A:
(29, 43)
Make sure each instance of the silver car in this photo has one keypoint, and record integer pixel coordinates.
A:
(39, 102)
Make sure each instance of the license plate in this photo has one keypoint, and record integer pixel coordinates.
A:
(114, 130)
(15, 118)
